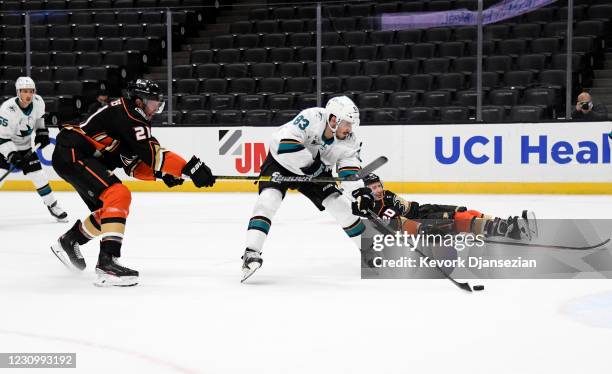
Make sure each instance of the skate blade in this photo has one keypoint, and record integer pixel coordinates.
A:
(63, 220)
(246, 273)
(61, 255)
(107, 280)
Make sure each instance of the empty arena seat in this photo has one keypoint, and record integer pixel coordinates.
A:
(526, 113)
(257, 117)
(228, 117)
(492, 113)
(198, 117)
(419, 114)
(454, 114)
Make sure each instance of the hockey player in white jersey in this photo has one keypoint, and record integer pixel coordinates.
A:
(19, 117)
(315, 141)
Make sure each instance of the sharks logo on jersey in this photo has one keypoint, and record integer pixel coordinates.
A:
(17, 124)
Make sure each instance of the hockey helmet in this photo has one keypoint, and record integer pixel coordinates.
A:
(344, 109)
(371, 178)
(24, 83)
(145, 90)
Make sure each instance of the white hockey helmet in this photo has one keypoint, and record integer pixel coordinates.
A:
(23, 83)
(344, 109)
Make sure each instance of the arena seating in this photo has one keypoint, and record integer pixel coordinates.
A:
(92, 43)
(263, 71)
(271, 56)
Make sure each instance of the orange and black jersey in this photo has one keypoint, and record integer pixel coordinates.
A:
(121, 136)
(392, 205)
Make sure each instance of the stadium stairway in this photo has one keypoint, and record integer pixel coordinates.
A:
(602, 84)
(238, 12)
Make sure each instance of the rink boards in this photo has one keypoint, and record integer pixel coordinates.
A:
(530, 158)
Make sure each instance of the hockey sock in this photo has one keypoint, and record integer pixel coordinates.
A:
(339, 207)
(41, 183)
(91, 225)
(267, 204)
(116, 205)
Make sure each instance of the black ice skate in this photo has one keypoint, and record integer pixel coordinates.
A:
(251, 262)
(112, 273)
(517, 228)
(67, 250)
(57, 212)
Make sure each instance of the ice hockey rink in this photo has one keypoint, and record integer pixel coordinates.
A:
(305, 311)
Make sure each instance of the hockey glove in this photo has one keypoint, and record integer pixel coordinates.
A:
(42, 138)
(169, 179)
(316, 168)
(199, 173)
(17, 159)
(364, 200)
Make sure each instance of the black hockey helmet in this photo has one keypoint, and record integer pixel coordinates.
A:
(145, 90)
(371, 178)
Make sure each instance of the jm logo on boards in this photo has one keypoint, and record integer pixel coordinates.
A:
(250, 154)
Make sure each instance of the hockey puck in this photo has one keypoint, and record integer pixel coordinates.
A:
(478, 287)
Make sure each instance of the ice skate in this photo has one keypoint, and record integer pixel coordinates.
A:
(531, 223)
(518, 228)
(68, 251)
(57, 212)
(111, 273)
(251, 262)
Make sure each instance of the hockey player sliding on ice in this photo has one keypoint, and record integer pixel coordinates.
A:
(19, 117)
(455, 219)
(315, 141)
(116, 135)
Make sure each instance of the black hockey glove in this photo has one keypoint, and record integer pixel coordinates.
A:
(42, 138)
(199, 173)
(364, 200)
(316, 168)
(169, 179)
(17, 159)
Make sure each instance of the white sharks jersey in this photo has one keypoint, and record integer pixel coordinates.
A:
(295, 144)
(17, 125)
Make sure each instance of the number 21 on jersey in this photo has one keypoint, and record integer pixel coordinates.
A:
(142, 133)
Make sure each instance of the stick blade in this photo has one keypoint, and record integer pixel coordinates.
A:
(464, 286)
(369, 168)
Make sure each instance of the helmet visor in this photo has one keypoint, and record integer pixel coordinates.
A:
(155, 106)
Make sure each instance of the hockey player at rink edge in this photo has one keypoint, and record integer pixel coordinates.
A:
(315, 141)
(116, 135)
(413, 218)
(19, 117)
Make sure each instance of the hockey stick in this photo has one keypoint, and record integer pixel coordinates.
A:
(278, 178)
(550, 246)
(379, 223)
(13, 167)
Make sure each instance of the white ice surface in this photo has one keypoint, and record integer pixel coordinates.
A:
(305, 311)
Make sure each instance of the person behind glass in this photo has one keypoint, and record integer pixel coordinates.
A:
(587, 111)
(101, 100)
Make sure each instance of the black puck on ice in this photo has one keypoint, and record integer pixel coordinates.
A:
(478, 287)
